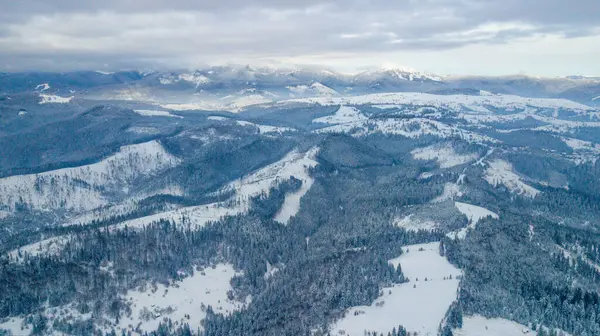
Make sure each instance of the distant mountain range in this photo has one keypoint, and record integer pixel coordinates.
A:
(235, 86)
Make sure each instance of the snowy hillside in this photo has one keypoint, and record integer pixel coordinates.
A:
(294, 164)
(410, 128)
(500, 172)
(451, 102)
(83, 188)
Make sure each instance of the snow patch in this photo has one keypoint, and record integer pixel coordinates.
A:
(501, 172)
(156, 113)
(412, 224)
(203, 106)
(16, 326)
(53, 99)
(344, 114)
(444, 154)
(577, 144)
(451, 190)
(262, 129)
(42, 87)
(481, 326)
(418, 305)
(144, 130)
(271, 270)
(474, 215)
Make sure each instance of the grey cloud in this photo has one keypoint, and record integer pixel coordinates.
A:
(65, 34)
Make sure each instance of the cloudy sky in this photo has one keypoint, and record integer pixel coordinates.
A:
(491, 37)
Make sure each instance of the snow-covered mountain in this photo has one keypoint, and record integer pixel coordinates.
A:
(265, 201)
(213, 83)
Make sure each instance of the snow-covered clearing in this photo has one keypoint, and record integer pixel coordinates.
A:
(344, 114)
(577, 144)
(451, 190)
(477, 325)
(444, 154)
(474, 215)
(418, 305)
(80, 188)
(50, 246)
(182, 299)
(15, 326)
(156, 113)
(49, 99)
(411, 223)
(294, 164)
(501, 172)
(480, 326)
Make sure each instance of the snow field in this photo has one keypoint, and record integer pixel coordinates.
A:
(474, 215)
(418, 305)
(181, 299)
